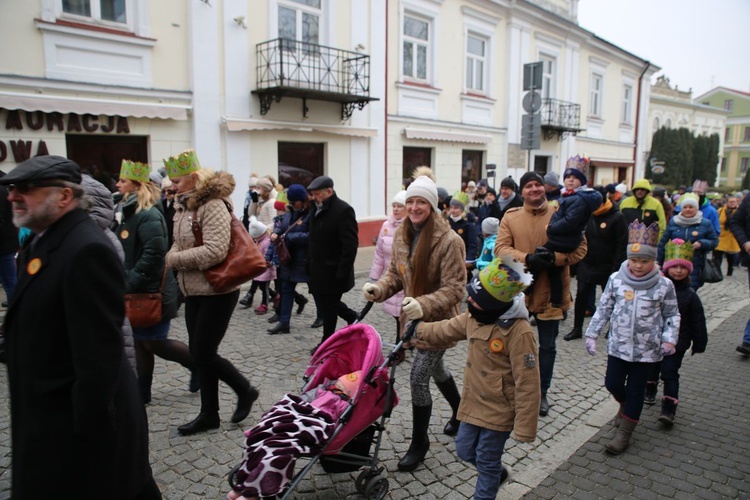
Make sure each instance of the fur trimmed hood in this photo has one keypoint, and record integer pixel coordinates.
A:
(219, 185)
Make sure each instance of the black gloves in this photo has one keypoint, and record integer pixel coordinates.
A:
(254, 196)
(542, 259)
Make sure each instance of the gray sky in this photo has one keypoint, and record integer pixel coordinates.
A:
(698, 44)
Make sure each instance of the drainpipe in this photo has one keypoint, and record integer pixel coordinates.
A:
(385, 114)
(637, 118)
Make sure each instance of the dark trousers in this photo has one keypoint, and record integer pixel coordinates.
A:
(626, 381)
(263, 287)
(585, 300)
(732, 259)
(669, 369)
(330, 307)
(207, 318)
(548, 331)
(288, 291)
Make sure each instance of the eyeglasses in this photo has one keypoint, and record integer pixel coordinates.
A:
(27, 187)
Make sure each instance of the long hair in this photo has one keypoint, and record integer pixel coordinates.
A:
(148, 195)
(420, 258)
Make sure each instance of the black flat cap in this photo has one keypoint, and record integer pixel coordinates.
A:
(321, 182)
(44, 168)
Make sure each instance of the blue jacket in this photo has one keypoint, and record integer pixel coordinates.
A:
(466, 228)
(703, 232)
(488, 252)
(297, 242)
(566, 227)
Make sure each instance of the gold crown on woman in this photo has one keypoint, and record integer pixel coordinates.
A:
(182, 164)
(135, 171)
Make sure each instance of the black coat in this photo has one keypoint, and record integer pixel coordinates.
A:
(466, 228)
(8, 231)
(333, 247)
(77, 422)
(740, 227)
(607, 238)
(693, 323)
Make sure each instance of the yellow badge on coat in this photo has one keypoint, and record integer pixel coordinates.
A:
(603, 225)
(385, 230)
(646, 214)
(695, 233)
(629, 294)
(460, 231)
(402, 269)
(496, 345)
(34, 266)
(124, 234)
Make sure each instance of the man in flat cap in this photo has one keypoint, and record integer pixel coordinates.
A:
(333, 248)
(74, 399)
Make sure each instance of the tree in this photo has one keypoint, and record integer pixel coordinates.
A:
(675, 148)
(705, 157)
(746, 180)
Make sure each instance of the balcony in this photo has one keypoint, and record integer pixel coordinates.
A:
(288, 68)
(560, 118)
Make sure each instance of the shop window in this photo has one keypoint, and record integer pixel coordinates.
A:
(471, 165)
(102, 155)
(300, 162)
(413, 158)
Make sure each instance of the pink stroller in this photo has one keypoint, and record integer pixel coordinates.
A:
(361, 419)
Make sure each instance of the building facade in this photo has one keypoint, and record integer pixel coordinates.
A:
(736, 134)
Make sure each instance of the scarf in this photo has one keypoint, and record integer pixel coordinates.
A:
(683, 221)
(642, 283)
(728, 213)
(504, 203)
(606, 207)
(456, 218)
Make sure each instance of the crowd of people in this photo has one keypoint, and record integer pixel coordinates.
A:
(81, 374)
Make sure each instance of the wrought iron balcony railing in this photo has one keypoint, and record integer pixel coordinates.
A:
(289, 68)
(560, 117)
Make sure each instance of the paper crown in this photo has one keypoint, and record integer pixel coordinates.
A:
(501, 280)
(135, 171)
(640, 234)
(678, 253)
(182, 164)
(578, 162)
(700, 186)
(460, 197)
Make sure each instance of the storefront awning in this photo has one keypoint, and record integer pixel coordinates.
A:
(439, 135)
(61, 104)
(611, 163)
(245, 124)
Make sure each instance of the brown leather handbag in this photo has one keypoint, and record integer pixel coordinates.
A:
(242, 263)
(144, 309)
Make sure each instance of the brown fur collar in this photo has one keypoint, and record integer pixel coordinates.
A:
(218, 186)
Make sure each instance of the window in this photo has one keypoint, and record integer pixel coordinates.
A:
(747, 134)
(657, 124)
(668, 123)
(105, 10)
(476, 57)
(300, 20)
(723, 165)
(300, 162)
(729, 105)
(595, 104)
(727, 133)
(416, 48)
(743, 165)
(627, 104)
(548, 76)
(413, 158)
(471, 165)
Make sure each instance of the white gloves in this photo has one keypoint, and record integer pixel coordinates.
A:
(667, 349)
(591, 345)
(371, 292)
(411, 308)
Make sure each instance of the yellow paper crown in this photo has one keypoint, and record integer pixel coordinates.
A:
(135, 171)
(639, 233)
(678, 249)
(182, 164)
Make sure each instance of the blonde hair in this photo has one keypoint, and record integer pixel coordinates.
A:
(148, 195)
(201, 176)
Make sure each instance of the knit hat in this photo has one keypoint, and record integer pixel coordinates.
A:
(531, 176)
(135, 171)
(296, 192)
(442, 194)
(182, 164)
(424, 187)
(156, 179)
(265, 183)
(700, 186)
(551, 179)
(400, 198)
(166, 183)
(609, 189)
(471, 184)
(498, 283)
(509, 183)
(579, 167)
(621, 188)
(253, 181)
(678, 252)
(256, 228)
(690, 199)
(280, 206)
(643, 240)
(459, 199)
(490, 225)
(482, 182)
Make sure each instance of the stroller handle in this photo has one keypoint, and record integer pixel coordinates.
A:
(411, 330)
(364, 312)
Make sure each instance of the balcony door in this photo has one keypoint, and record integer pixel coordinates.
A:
(299, 25)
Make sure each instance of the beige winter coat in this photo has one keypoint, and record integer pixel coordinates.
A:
(207, 206)
(446, 281)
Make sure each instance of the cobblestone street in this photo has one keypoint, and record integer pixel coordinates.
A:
(705, 455)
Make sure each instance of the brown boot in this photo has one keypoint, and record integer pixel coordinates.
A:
(621, 441)
(618, 416)
(551, 312)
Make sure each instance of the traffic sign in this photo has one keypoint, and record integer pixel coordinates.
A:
(532, 102)
(657, 169)
(531, 132)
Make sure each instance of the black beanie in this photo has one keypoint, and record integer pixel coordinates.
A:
(508, 182)
(531, 176)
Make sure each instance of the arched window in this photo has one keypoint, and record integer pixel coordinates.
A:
(668, 123)
(657, 124)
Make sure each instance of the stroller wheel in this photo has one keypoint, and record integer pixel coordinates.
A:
(232, 476)
(376, 488)
(362, 478)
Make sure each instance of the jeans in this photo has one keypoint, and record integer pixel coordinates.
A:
(8, 273)
(669, 369)
(482, 448)
(287, 301)
(548, 331)
(626, 381)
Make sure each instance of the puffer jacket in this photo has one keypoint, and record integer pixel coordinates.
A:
(648, 211)
(501, 376)
(445, 288)
(703, 232)
(210, 206)
(143, 236)
(381, 260)
(466, 228)
(640, 321)
(692, 319)
(727, 241)
(607, 238)
(263, 243)
(486, 256)
(521, 231)
(297, 239)
(566, 227)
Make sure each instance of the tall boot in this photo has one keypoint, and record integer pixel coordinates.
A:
(247, 300)
(144, 386)
(450, 392)
(668, 410)
(618, 416)
(420, 441)
(621, 441)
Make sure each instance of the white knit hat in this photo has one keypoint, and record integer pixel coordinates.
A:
(424, 187)
(621, 188)
(256, 228)
(400, 198)
(490, 225)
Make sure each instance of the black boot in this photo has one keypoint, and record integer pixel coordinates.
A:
(317, 323)
(144, 385)
(575, 333)
(274, 318)
(649, 395)
(247, 300)
(245, 400)
(301, 302)
(420, 441)
(195, 382)
(203, 422)
(668, 410)
(450, 392)
(280, 328)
